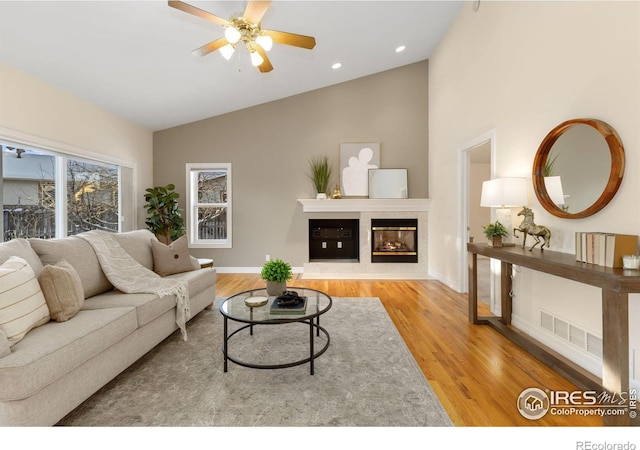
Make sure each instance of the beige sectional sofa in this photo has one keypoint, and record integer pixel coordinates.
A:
(58, 365)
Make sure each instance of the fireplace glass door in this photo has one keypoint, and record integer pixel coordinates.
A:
(394, 240)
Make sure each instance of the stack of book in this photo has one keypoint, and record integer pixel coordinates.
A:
(604, 249)
(278, 307)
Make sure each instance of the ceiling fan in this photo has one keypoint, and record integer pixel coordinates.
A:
(245, 28)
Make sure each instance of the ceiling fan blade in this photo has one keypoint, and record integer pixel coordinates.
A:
(297, 40)
(182, 6)
(266, 64)
(255, 10)
(210, 47)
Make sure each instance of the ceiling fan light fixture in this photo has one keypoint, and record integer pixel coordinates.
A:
(256, 59)
(266, 42)
(232, 34)
(227, 51)
(245, 27)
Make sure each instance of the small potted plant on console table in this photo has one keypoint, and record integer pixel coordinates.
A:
(276, 273)
(495, 232)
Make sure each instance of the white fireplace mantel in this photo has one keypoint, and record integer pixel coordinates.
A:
(364, 204)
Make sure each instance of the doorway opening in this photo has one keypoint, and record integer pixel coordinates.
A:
(477, 164)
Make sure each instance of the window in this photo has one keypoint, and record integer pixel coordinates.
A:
(46, 194)
(209, 205)
(92, 196)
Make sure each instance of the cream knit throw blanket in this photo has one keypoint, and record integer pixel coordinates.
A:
(129, 276)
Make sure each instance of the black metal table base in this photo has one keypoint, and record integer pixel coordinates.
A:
(313, 325)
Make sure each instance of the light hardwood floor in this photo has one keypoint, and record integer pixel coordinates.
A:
(476, 373)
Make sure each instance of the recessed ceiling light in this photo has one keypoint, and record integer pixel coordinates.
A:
(336, 65)
(401, 48)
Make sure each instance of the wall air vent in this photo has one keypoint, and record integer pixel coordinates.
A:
(561, 328)
(594, 345)
(577, 336)
(572, 333)
(546, 321)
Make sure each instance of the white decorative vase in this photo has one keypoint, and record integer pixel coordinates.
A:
(321, 196)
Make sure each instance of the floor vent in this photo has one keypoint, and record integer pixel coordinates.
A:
(571, 333)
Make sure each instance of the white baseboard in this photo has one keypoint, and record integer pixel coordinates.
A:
(448, 281)
(361, 276)
(249, 269)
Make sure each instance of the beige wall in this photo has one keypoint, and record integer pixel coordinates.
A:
(522, 68)
(269, 147)
(51, 118)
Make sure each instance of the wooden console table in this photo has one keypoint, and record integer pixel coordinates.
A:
(616, 284)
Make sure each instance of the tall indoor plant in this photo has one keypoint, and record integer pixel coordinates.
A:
(165, 219)
(320, 174)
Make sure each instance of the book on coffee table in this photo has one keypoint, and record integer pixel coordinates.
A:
(298, 308)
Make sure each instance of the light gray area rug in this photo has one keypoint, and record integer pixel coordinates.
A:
(367, 377)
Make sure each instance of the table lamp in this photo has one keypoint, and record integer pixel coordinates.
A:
(504, 193)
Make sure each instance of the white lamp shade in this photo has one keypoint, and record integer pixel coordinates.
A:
(227, 51)
(265, 42)
(232, 34)
(504, 192)
(256, 59)
(554, 189)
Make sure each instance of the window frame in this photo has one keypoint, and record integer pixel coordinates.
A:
(61, 153)
(192, 205)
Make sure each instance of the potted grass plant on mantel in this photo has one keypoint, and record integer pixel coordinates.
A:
(320, 175)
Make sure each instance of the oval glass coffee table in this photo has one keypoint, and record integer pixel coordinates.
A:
(235, 308)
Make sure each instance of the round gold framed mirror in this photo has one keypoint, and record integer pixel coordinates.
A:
(578, 168)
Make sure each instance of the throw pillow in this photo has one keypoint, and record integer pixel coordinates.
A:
(62, 289)
(22, 305)
(172, 258)
(22, 248)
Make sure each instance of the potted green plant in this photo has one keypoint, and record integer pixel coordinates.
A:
(320, 175)
(495, 232)
(165, 219)
(276, 273)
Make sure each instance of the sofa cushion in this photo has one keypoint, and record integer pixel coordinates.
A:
(49, 352)
(80, 255)
(62, 289)
(22, 305)
(21, 247)
(137, 244)
(147, 306)
(197, 280)
(172, 258)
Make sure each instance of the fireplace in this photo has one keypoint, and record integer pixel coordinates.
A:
(334, 239)
(394, 240)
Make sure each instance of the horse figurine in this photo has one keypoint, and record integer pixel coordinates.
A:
(529, 228)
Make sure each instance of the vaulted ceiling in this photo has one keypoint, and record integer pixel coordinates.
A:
(133, 58)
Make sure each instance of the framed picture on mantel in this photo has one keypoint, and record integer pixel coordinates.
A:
(388, 183)
(355, 161)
